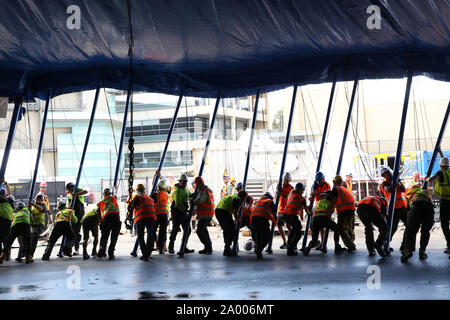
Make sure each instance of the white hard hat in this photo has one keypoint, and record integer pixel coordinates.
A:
(445, 162)
(249, 245)
(383, 170)
(287, 176)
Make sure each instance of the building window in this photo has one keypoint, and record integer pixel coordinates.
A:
(222, 129)
(241, 126)
(144, 160)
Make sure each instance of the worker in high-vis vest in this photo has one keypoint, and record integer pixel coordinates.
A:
(6, 211)
(78, 208)
(43, 190)
(442, 190)
(372, 211)
(247, 208)
(283, 191)
(295, 205)
(225, 210)
(179, 212)
(264, 211)
(62, 227)
(20, 226)
(321, 218)
(320, 186)
(38, 211)
(144, 219)
(421, 217)
(161, 199)
(345, 209)
(203, 207)
(90, 222)
(109, 223)
(401, 205)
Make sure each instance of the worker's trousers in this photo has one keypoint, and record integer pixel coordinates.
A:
(324, 221)
(179, 218)
(227, 224)
(19, 229)
(421, 217)
(262, 232)
(162, 221)
(346, 223)
(370, 217)
(35, 233)
(110, 226)
(146, 246)
(61, 228)
(296, 231)
(445, 219)
(246, 223)
(202, 231)
(5, 226)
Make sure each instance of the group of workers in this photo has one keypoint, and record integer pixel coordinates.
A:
(413, 206)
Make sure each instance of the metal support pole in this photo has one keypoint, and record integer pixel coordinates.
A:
(319, 160)
(187, 228)
(344, 140)
(436, 148)
(161, 161)
(83, 155)
(247, 164)
(283, 162)
(39, 150)
(122, 136)
(9, 141)
(172, 125)
(397, 160)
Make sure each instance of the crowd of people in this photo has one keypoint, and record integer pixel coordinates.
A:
(150, 213)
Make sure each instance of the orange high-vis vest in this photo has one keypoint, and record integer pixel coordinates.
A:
(108, 206)
(161, 202)
(263, 209)
(283, 197)
(345, 200)
(247, 212)
(294, 204)
(321, 189)
(372, 201)
(206, 208)
(145, 209)
(400, 200)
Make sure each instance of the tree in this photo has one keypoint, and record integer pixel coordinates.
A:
(277, 121)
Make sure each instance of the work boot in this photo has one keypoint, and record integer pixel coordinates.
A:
(351, 249)
(6, 254)
(85, 254)
(309, 247)
(338, 249)
(227, 252)
(47, 253)
(447, 250)
(379, 249)
(269, 251)
(171, 245)
(283, 246)
(292, 253)
(29, 259)
(318, 247)
(406, 255)
(133, 254)
(186, 250)
(258, 254)
(372, 252)
(161, 251)
(144, 258)
(205, 251)
(94, 252)
(422, 255)
(111, 256)
(101, 253)
(67, 252)
(165, 247)
(19, 260)
(75, 253)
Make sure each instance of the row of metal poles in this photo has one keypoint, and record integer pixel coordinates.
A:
(18, 109)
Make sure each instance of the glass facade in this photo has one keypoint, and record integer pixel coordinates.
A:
(151, 160)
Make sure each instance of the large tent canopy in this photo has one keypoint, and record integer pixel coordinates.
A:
(206, 45)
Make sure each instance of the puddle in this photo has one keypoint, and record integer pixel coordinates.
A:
(27, 288)
(184, 295)
(146, 295)
(5, 290)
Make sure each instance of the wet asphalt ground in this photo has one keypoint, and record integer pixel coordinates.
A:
(276, 277)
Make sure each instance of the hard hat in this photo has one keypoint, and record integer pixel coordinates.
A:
(239, 185)
(61, 205)
(225, 173)
(183, 177)
(299, 186)
(2, 192)
(242, 194)
(350, 175)
(107, 191)
(162, 184)
(11, 200)
(40, 196)
(268, 195)
(383, 170)
(287, 176)
(43, 184)
(249, 245)
(319, 176)
(70, 185)
(140, 187)
(199, 180)
(20, 205)
(416, 174)
(232, 179)
(445, 162)
(337, 178)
